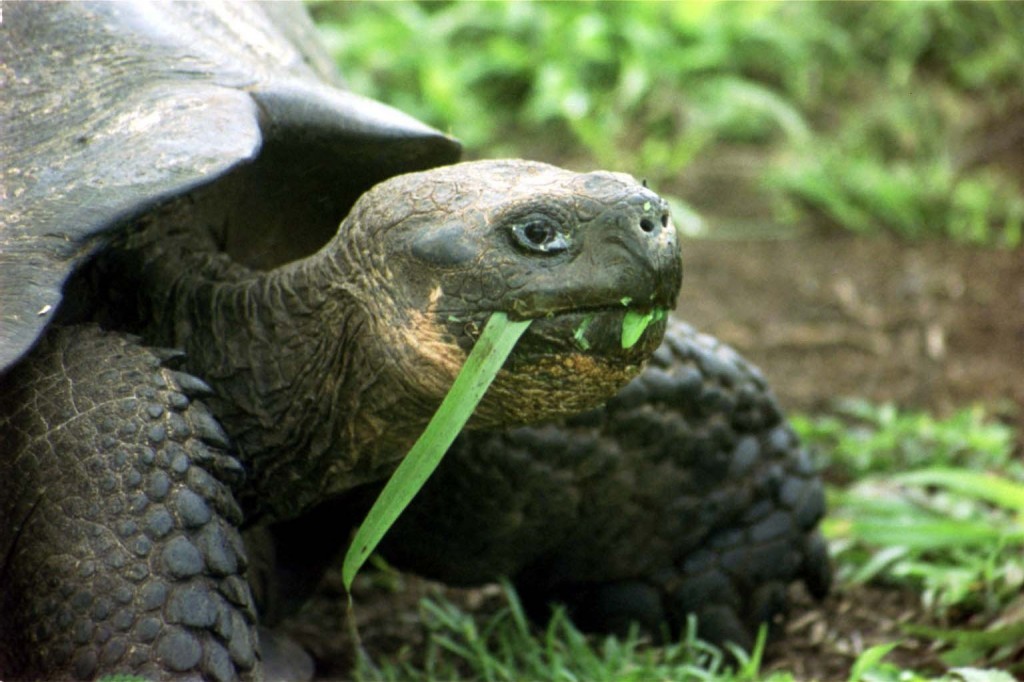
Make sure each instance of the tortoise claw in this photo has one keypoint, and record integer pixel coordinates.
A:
(191, 385)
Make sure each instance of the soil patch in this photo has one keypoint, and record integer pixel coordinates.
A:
(926, 324)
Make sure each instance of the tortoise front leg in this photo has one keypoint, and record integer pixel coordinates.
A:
(119, 549)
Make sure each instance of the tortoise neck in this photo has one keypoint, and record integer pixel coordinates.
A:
(299, 383)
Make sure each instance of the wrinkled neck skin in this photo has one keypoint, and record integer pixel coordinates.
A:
(303, 383)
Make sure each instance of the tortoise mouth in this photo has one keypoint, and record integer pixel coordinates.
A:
(600, 332)
(565, 364)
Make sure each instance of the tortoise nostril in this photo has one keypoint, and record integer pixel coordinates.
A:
(646, 225)
(664, 219)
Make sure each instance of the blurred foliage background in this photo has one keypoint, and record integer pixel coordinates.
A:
(906, 117)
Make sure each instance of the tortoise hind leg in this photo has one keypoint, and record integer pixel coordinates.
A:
(119, 549)
(686, 494)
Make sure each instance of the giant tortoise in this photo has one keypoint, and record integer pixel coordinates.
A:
(204, 380)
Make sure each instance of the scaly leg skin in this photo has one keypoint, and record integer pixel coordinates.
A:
(687, 494)
(119, 548)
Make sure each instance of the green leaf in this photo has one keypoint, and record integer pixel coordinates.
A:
(869, 659)
(494, 345)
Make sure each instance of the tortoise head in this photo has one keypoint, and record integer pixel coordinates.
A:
(437, 252)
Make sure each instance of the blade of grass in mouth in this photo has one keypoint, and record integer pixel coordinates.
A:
(635, 323)
(488, 355)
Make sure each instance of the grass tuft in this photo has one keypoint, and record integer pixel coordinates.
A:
(936, 505)
(508, 648)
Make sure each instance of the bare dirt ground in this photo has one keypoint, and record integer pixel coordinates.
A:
(924, 324)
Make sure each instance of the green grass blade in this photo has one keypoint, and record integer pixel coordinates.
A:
(985, 486)
(869, 659)
(635, 323)
(993, 637)
(495, 343)
(927, 534)
(633, 326)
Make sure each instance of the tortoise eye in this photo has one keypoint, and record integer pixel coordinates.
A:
(540, 233)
